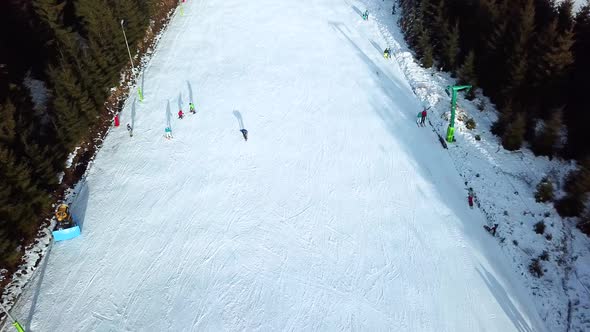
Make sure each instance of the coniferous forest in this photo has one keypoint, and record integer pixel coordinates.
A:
(532, 58)
(59, 60)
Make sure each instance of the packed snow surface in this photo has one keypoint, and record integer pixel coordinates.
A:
(338, 213)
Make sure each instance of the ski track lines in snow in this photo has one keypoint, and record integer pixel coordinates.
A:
(339, 213)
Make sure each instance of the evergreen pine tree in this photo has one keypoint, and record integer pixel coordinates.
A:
(514, 134)
(451, 48)
(435, 22)
(549, 69)
(7, 123)
(516, 64)
(72, 108)
(425, 49)
(492, 66)
(545, 12)
(565, 15)
(577, 186)
(545, 141)
(466, 72)
(576, 116)
(105, 41)
(505, 116)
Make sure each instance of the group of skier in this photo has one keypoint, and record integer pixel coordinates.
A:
(421, 117)
(168, 129)
(191, 108)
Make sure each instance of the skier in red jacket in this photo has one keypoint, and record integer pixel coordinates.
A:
(424, 114)
(180, 114)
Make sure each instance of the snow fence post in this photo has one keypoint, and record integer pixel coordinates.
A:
(15, 323)
(18, 327)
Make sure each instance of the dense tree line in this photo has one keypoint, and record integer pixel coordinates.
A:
(76, 48)
(531, 57)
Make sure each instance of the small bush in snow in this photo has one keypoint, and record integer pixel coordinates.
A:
(515, 242)
(535, 268)
(470, 124)
(481, 105)
(544, 191)
(549, 237)
(477, 138)
(544, 256)
(540, 227)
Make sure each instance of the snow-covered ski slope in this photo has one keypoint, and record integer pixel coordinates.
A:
(338, 213)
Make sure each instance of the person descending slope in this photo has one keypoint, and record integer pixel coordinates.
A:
(191, 108)
(130, 130)
(387, 53)
(245, 134)
(366, 15)
(180, 114)
(423, 115)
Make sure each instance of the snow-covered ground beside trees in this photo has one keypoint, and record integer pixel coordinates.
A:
(337, 213)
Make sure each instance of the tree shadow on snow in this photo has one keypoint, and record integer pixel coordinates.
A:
(37, 283)
(80, 205)
(398, 113)
(180, 101)
(238, 116)
(504, 300)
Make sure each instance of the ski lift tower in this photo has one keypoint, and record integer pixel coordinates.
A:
(452, 91)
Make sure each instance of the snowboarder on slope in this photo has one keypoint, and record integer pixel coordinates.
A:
(130, 130)
(180, 114)
(191, 108)
(168, 133)
(245, 134)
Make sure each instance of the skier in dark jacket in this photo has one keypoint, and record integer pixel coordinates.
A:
(130, 130)
(245, 134)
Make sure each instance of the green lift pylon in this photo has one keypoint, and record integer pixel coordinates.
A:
(452, 90)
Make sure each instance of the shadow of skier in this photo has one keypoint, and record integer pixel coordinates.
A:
(190, 91)
(376, 46)
(238, 116)
(168, 115)
(358, 11)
